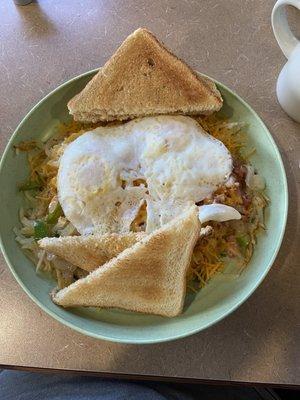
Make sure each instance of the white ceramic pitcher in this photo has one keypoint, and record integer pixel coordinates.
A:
(288, 83)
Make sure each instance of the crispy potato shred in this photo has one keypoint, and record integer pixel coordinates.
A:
(228, 243)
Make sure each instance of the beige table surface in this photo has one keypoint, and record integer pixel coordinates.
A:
(46, 43)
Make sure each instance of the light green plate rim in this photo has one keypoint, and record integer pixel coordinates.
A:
(173, 335)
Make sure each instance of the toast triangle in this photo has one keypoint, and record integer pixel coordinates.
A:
(143, 78)
(149, 277)
(91, 251)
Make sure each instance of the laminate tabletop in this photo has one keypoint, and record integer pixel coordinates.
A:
(48, 42)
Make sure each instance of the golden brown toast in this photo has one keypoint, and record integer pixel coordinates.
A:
(144, 78)
(149, 277)
(89, 252)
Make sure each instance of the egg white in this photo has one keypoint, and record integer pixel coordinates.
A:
(180, 163)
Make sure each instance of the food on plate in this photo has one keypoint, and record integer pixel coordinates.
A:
(169, 162)
(144, 78)
(91, 251)
(149, 277)
(150, 193)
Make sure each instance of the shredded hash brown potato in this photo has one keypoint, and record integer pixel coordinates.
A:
(230, 242)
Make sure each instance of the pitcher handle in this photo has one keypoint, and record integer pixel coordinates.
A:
(283, 34)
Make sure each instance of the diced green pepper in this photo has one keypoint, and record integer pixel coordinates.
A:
(52, 218)
(30, 185)
(223, 254)
(242, 241)
(41, 230)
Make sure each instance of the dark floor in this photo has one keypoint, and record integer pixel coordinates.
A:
(288, 394)
(19, 382)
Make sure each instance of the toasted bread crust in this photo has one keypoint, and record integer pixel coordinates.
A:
(144, 78)
(149, 277)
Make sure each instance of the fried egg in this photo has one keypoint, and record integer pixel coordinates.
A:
(169, 162)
